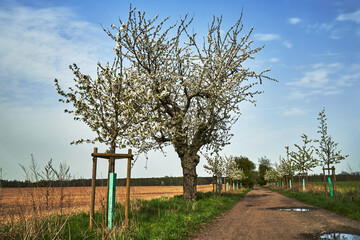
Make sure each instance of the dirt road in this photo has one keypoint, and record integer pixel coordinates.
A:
(256, 217)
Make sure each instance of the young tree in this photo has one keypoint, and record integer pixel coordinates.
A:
(264, 165)
(248, 167)
(228, 165)
(233, 170)
(271, 175)
(189, 92)
(327, 150)
(102, 103)
(215, 166)
(237, 174)
(287, 165)
(280, 168)
(303, 159)
(105, 105)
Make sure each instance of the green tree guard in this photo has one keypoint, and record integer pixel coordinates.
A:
(227, 186)
(240, 185)
(233, 186)
(290, 184)
(277, 183)
(330, 187)
(112, 191)
(237, 186)
(282, 183)
(303, 184)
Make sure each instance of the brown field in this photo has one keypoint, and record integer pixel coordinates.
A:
(21, 203)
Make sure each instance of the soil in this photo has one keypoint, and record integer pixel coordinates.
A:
(23, 203)
(257, 217)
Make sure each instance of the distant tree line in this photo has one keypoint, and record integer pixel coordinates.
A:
(162, 181)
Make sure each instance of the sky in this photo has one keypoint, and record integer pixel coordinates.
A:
(311, 47)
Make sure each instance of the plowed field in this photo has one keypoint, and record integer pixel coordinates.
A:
(21, 203)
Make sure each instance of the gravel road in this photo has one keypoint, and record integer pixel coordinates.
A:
(256, 217)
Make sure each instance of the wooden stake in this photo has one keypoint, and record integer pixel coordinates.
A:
(128, 189)
(93, 183)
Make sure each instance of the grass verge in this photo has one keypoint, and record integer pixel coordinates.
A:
(164, 218)
(343, 203)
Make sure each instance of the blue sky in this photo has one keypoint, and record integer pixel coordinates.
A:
(311, 47)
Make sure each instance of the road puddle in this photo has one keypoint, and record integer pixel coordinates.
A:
(340, 236)
(296, 209)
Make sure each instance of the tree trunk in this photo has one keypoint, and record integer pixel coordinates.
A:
(189, 163)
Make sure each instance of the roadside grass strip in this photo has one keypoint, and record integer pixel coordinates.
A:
(345, 203)
(162, 218)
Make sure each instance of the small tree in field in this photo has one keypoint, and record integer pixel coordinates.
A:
(102, 103)
(248, 167)
(287, 165)
(237, 174)
(264, 165)
(327, 150)
(188, 92)
(271, 175)
(215, 166)
(303, 159)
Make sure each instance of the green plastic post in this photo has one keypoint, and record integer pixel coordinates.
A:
(233, 186)
(282, 183)
(112, 191)
(277, 183)
(240, 185)
(330, 187)
(290, 184)
(227, 186)
(303, 184)
(237, 186)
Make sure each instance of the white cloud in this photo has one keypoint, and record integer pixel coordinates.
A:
(38, 45)
(273, 60)
(294, 112)
(326, 54)
(270, 37)
(287, 44)
(325, 28)
(294, 20)
(354, 16)
(323, 79)
(266, 36)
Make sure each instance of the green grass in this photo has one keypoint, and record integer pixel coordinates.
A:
(165, 218)
(345, 203)
(341, 185)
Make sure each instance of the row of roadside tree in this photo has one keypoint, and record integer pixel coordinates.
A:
(302, 160)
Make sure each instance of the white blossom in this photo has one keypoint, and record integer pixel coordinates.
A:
(184, 95)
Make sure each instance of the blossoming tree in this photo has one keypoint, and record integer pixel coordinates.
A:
(287, 166)
(184, 94)
(215, 165)
(303, 159)
(327, 150)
